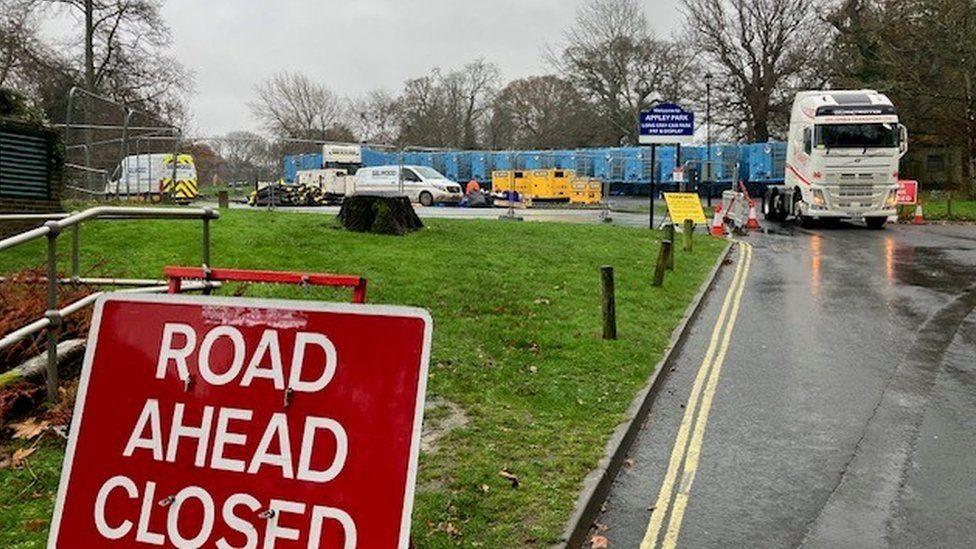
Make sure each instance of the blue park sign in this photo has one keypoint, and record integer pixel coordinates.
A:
(666, 123)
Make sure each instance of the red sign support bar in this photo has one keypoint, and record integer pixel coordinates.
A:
(176, 275)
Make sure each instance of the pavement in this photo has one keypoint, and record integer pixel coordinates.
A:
(826, 397)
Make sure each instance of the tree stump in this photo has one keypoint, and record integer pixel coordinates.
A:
(379, 213)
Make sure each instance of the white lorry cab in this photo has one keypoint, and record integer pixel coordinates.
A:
(153, 174)
(842, 160)
(420, 183)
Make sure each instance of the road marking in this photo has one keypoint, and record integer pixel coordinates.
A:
(682, 452)
(694, 449)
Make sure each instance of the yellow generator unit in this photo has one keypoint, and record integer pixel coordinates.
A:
(506, 182)
(586, 191)
(533, 186)
(561, 184)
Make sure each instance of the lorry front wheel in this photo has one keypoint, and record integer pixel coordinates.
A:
(876, 223)
(426, 199)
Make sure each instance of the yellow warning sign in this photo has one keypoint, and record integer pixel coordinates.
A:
(683, 206)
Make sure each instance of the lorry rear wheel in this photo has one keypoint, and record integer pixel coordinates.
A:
(771, 206)
(876, 223)
(426, 199)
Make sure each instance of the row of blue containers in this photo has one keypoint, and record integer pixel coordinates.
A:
(757, 163)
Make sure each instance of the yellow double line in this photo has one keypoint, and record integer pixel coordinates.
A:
(685, 454)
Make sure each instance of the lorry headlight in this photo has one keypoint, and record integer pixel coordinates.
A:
(892, 200)
(818, 200)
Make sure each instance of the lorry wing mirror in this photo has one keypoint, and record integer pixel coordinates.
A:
(902, 139)
(808, 140)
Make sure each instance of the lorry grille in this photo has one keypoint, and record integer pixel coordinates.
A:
(858, 178)
(854, 191)
(857, 198)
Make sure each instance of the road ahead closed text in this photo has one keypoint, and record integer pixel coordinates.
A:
(240, 425)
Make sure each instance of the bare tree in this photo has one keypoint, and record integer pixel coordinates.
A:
(291, 105)
(244, 156)
(124, 44)
(761, 52)
(374, 117)
(422, 111)
(541, 112)
(20, 46)
(613, 58)
(470, 94)
(448, 109)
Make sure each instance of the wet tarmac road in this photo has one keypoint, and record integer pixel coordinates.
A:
(842, 415)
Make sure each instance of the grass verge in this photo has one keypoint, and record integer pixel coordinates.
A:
(517, 347)
(943, 206)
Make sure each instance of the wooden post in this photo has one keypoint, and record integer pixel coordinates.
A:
(662, 263)
(689, 234)
(669, 236)
(609, 303)
(949, 205)
(223, 200)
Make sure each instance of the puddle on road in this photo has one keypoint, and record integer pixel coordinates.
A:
(778, 230)
(930, 267)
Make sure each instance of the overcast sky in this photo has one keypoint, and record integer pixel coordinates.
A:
(357, 45)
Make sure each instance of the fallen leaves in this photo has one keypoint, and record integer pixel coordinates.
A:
(34, 525)
(505, 474)
(449, 529)
(20, 454)
(29, 429)
(599, 542)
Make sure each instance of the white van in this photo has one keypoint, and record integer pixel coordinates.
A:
(153, 174)
(420, 183)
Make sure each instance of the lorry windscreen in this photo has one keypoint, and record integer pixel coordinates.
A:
(857, 136)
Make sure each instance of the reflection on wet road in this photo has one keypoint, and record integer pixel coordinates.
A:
(845, 415)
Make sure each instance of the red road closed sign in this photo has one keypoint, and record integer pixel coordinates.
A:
(225, 422)
(907, 193)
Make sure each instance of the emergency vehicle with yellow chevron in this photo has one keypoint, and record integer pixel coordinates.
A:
(155, 176)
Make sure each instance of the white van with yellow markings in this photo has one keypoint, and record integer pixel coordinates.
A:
(152, 174)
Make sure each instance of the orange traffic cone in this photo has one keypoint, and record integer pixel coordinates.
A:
(753, 223)
(718, 222)
(919, 218)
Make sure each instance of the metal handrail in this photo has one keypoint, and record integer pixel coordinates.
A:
(54, 316)
(30, 329)
(33, 216)
(89, 281)
(107, 212)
